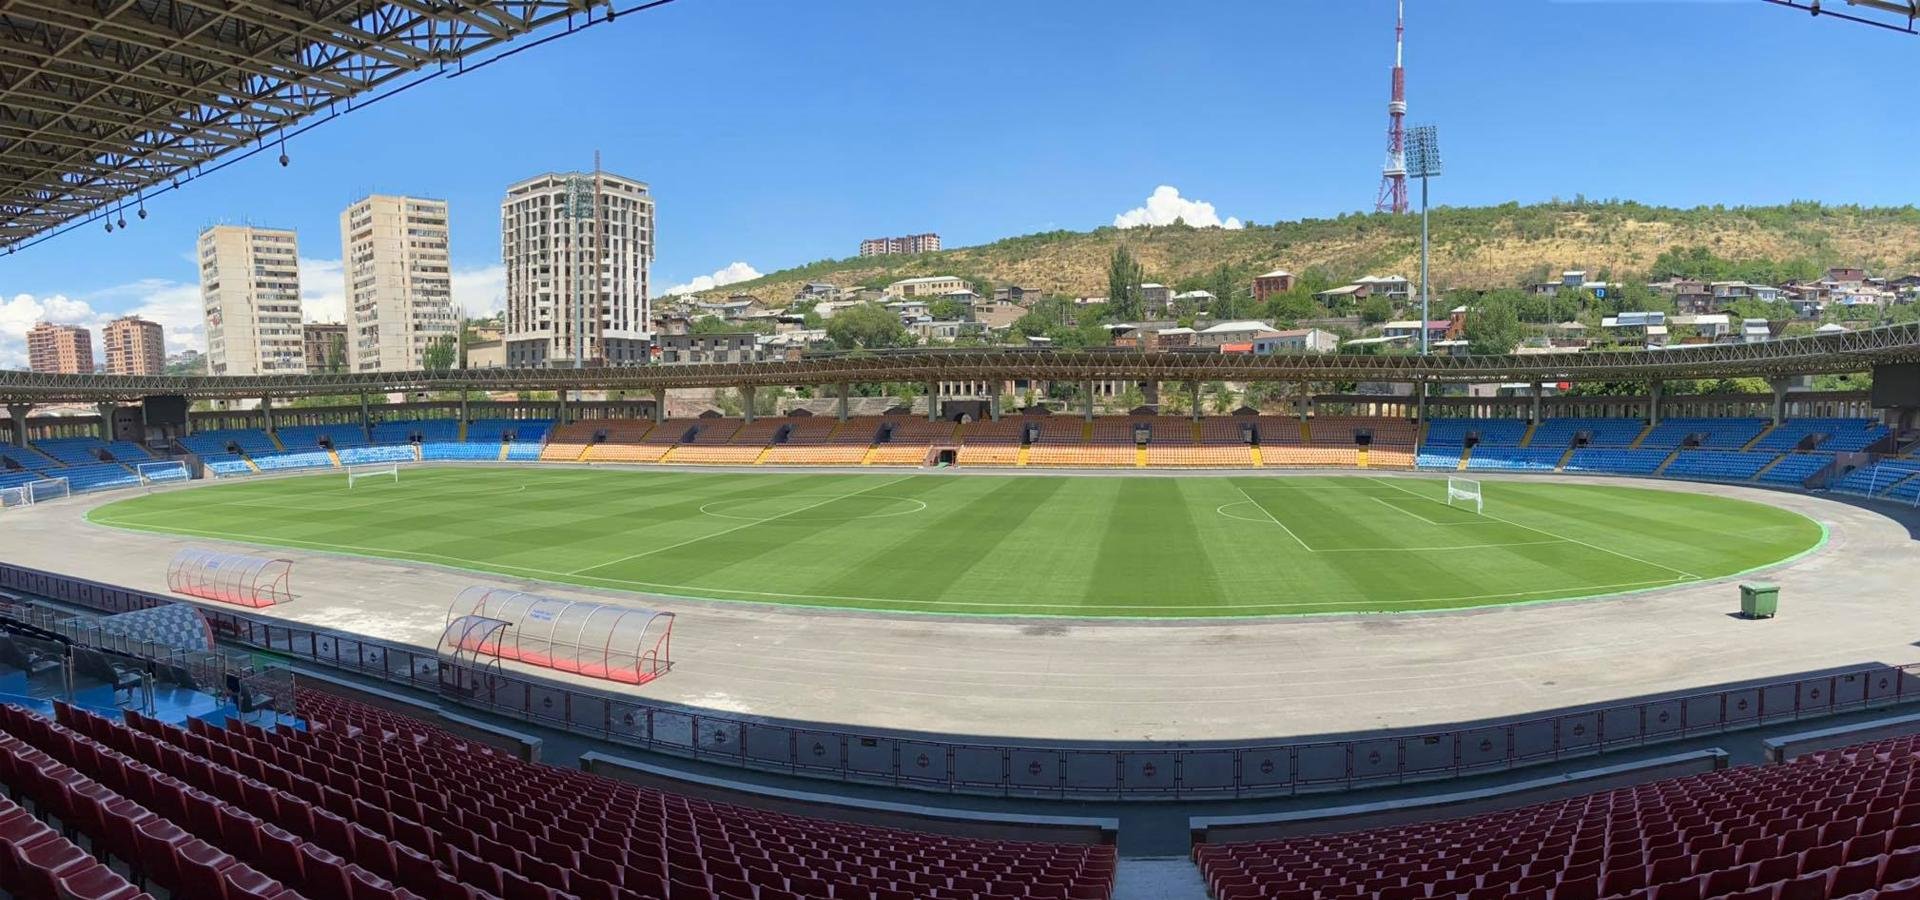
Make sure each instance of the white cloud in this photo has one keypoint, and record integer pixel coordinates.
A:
(482, 291)
(1166, 205)
(175, 305)
(323, 290)
(733, 273)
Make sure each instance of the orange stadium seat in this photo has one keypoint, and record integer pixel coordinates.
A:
(1068, 455)
(1278, 430)
(715, 455)
(1339, 431)
(1170, 431)
(632, 440)
(759, 432)
(565, 443)
(890, 454)
(814, 455)
(1224, 429)
(856, 430)
(1379, 457)
(1297, 456)
(1197, 457)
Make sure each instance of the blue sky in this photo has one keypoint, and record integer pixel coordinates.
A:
(776, 132)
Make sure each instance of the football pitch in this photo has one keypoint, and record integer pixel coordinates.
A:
(1123, 546)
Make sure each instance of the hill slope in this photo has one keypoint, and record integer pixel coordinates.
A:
(1483, 247)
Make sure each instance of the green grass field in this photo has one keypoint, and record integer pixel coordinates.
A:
(1046, 545)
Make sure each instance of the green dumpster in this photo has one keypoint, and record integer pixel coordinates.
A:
(1759, 600)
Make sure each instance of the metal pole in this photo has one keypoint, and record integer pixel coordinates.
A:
(1426, 294)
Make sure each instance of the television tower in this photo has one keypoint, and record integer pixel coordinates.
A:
(1393, 178)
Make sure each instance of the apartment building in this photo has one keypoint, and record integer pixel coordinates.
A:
(250, 291)
(928, 286)
(325, 346)
(911, 243)
(399, 281)
(60, 349)
(134, 346)
(587, 261)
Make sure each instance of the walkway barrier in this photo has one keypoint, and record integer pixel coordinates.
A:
(1089, 770)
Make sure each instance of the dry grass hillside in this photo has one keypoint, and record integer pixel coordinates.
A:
(1483, 247)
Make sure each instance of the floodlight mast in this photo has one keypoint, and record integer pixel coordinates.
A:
(1906, 9)
(1423, 162)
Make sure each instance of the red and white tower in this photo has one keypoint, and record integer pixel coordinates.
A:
(1393, 178)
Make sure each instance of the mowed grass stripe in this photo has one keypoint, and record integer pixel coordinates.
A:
(1109, 546)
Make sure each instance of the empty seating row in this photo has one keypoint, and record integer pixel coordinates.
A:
(1485, 432)
(293, 459)
(1515, 459)
(310, 437)
(1837, 824)
(1709, 434)
(355, 456)
(1599, 432)
(1877, 479)
(402, 431)
(1717, 465)
(1616, 461)
(1794, 469)
(1846, 435)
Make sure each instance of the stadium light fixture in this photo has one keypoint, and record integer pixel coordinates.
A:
(1424, 163)
(1905, 9)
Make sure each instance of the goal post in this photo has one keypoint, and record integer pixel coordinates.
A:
(153, 473)
(376, 471)
(1465, 492)
(48, 489)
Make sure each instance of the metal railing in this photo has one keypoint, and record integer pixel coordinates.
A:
(1080, 770)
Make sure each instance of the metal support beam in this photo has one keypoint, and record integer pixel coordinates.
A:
(560, 416)
(1653, 401)
(1534, 414)
(659, 405)
(1087, 388)
(266, 412)
(466, 414)
(746, 402)
(1150, 394)
(106, 420)
(367, 426)
(993, 407)
(844, 388)
(1303, 402)
(1193, 398)
(17, 416)
(1779, 386)
(933, 401)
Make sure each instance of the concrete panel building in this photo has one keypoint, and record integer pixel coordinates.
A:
(911, 243)
(250, 292)
(399, 281)
(134, 346)
(325, 346)
(60, 349)
(590, 263)
(927, 286)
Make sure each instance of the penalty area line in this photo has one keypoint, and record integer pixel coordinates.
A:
(1684, 574)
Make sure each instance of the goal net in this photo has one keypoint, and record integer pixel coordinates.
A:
(1464, 492)
(34, 492)
(378, 472)
(161, 472)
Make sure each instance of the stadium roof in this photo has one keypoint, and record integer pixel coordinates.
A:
(104, 102)
(1829, 353)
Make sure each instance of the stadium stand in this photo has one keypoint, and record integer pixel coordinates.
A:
(404, 431)
(1522, 459)
(1844, 434)
(1283, 456)
(1836, 824)
(129, 452)
(1795, 468)
(1708, 434)
(1336, 431)
(309, 437)
(1486, 432)
(1438, 457)
(366, 803)
(1616, 461)
(638, 440)
(355, 456)
(1717, 465)
(1876, 480)
(73, 451)
(993, 443)
(293, 459)
(1279, 430)
(1559, 434)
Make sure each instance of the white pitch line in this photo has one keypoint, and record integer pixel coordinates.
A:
(1393, 506)
(1645, 562)
(1270, 516)
(709, 593)
(725, 531)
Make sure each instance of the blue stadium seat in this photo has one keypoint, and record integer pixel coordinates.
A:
(1718, 465)
(354, 456)
(293, 459)
(1795, 468)
(1846, 435)
(1521, 459)
(73, 451)
(96, 477)
(452, 451)
(1616, 461)
(129, 452)
(1438, 458)
(402, 431)
(1715, 434)
(307, 437)
(524, 431)
(1875, 480)
(1601, 432)
(1492, 432)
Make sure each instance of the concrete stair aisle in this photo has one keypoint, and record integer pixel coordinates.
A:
(1641, 437)
(1158, 878)
(1526, 440)
(1667, 462)
(1758, 438)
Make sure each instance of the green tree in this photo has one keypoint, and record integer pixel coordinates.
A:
(868, 326)
(948, 310)
(1226, 294)
(1124, 276)
(336, 353)
(1376, 309)
(441, 353)
(1292, 306)
(1223, 397)
(1493, 327)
